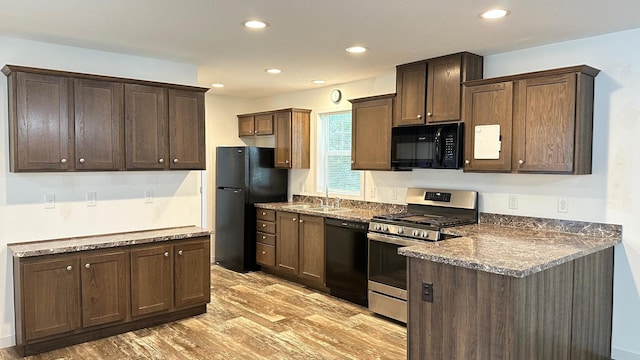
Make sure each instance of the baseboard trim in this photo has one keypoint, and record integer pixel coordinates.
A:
(619, 354)
(8, 341)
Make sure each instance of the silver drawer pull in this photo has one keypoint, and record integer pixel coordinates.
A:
(263, 237)
(179, 252)
(87, 265)
(264, 225)
(264, 252)
(166, 254)
(69, 268)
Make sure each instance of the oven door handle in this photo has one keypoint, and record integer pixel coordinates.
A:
(392, 239)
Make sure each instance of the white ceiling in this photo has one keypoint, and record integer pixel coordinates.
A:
(306, 38)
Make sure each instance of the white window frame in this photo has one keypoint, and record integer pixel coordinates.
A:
(322, 159)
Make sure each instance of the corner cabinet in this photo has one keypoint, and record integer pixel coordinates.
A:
(542, 122)
(429, 91)
(371, 135)
(300, 247)
(292, 143)
(64, 121)
(65, 299)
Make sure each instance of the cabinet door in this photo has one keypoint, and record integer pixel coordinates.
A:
(51, 297)
(186, 130)
(98, 124)
(246, 126)
(488, 105)
(287, 242)
(145, 127)
(41, 125)
(312, 248)
(443, 88)
(192, 273)
(283, 140)
(151, 285)
(104, 288)
(411, 84)
(371, 134)
(264, 124)
(545, 123)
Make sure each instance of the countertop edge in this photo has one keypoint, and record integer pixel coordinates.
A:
(103, 241)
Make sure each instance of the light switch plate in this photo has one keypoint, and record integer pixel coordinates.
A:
(148, 196)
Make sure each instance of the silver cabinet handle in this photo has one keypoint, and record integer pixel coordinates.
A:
(179, 252)
(353, 161)
(255, 131)
(300, 220)
(161, 160)
(63, 161)
(467, 161)
(419, 116)
(166, 254)
(429, 114)
(87, 265)
(81, 160)
(264, 252)
(264, 237)
(286, 161)
(294, 219)
(520, 162)
(264, 213)
(175, 161)
(264, 225)
(69, 268)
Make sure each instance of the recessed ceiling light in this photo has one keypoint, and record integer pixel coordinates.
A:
(216, 85)
(273, 71)
(356, 49)
(318, 81)
(255, 24)
(494, 14)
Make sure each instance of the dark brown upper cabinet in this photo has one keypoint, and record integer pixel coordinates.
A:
(255, 124)
(98, 124)
(544, 119)
(40, 123)
(429, 91)
(64, 121)
(371, 136)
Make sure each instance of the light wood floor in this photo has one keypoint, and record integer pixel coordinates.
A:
(254, 316)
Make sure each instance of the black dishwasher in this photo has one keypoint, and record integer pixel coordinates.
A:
(346, 259)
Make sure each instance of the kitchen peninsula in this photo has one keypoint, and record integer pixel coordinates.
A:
(513, 288)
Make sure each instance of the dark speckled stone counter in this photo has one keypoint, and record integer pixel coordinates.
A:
(59, 246)
(349, 214)
(517, 246)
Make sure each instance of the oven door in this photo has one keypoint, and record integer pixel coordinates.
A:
(388, 276)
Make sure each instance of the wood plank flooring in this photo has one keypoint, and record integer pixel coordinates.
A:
(254, 316)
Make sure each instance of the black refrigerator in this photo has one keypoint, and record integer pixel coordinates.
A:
(245, 175)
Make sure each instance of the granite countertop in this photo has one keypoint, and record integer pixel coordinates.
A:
(513, 251)
(67, 245)
(349, 214)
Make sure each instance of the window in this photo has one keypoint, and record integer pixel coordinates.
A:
(334, 153)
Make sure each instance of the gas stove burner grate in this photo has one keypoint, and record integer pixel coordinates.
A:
(435, 221)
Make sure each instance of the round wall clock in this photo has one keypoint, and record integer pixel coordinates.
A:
(336, 95)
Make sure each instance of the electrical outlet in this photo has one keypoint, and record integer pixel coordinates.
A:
(91, 198)
(372, 192)
(50, 201)
(394, 194)
(513, 201)
(427, 292)
(148, 196)
(563, 205)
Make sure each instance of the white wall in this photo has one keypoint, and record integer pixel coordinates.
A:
(608, 195)
(120, 195)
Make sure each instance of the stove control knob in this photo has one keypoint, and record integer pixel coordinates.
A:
(399, 230)
(424, 234)
(385, 228)
(416, 233)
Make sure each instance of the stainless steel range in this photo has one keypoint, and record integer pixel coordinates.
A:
(428, 211)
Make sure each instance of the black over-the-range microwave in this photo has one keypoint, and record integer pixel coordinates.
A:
(427, 146)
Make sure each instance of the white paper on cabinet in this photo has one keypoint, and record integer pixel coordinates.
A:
(487, 144)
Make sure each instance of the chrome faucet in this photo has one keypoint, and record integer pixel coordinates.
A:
(326, 194)
(337, 203)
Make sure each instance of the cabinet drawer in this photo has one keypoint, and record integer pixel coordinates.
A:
(265, 254)
(267, 215)
(265, 226)
(267, 239)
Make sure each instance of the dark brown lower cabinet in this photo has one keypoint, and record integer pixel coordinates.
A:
(66, 299)
(563, 312)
